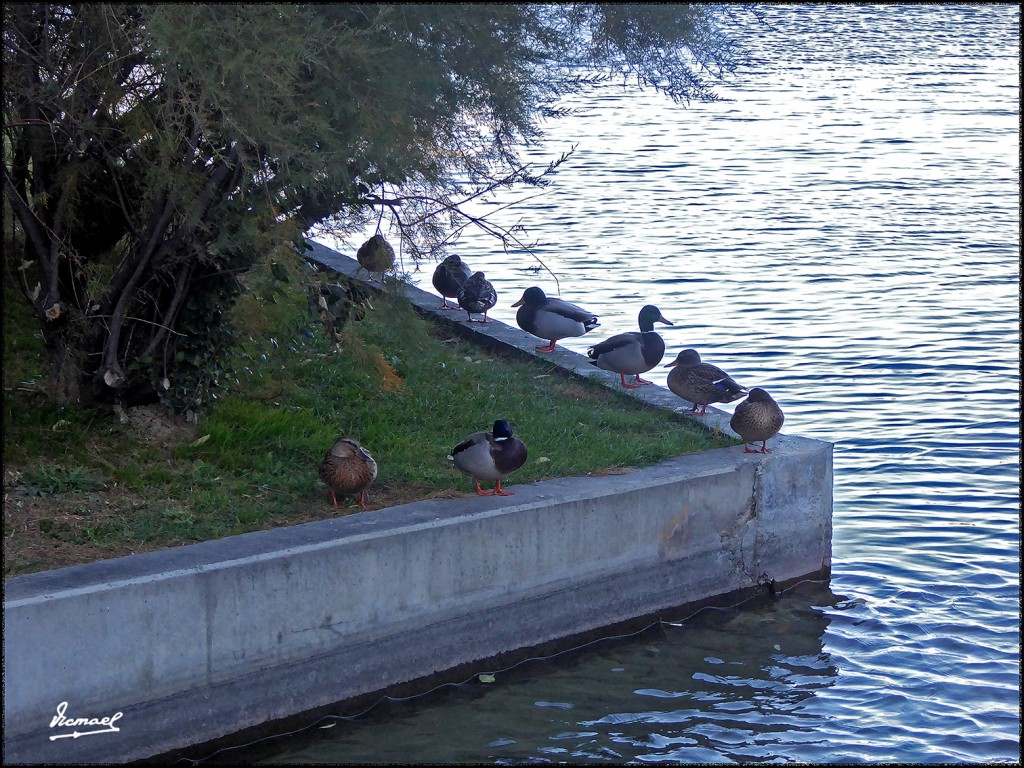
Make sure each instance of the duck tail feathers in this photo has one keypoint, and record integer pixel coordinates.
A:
(730, 387)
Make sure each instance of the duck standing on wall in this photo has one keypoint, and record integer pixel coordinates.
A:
(448, 278)
(348, 468)
(376, 255)
(477, 295)
(490, 456)
(701, 383)
(757, 418)
(552, 319)
(633, 353)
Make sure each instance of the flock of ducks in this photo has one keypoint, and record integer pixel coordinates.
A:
(489, 457)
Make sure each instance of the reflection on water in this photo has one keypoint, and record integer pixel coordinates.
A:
(845, 233)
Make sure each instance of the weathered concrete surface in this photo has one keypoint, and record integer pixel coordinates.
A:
(195, 643)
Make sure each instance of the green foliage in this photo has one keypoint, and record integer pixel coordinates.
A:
(50, 478)
(155, 153)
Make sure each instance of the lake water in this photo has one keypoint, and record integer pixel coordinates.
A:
(844, 231)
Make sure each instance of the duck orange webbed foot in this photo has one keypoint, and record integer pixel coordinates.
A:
(499, 491)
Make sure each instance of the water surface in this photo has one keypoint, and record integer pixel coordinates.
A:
(844, 232)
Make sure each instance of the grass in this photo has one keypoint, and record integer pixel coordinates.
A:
(79, 485)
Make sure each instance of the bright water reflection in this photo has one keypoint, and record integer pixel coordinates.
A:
(844, 233)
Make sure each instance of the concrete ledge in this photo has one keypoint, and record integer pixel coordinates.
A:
(199, 642)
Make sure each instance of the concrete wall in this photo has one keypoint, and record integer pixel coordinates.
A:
(198, 642)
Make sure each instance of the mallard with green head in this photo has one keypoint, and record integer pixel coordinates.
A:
(448, 278)
(348, 468)
(758, 417)
(701, 383)
(477, 295)
(633, 353)
(490, 456)
(552, 319)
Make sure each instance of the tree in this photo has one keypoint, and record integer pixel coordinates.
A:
(154, 152)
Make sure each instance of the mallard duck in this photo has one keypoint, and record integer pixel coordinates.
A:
(477, 295)
(376, 255)
(632, 353)
(348, 468)
(448, 278)
(335, 304)
(552, 319)
(701, 383)
(757, 418)
(490, 456)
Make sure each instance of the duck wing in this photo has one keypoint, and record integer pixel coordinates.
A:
(729, 387)
(477, 295)
(617, 342)
(475, 439)
(488, 296)
(571, 311)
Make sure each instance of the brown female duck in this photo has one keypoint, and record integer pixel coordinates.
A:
(757, 418)
(376, 255)
(348, 468)
(477, 295)
(701, 383)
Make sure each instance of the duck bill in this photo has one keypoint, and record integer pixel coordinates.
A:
(663, 320)
(518, 303)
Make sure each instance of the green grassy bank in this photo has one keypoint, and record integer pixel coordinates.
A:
(83, 485)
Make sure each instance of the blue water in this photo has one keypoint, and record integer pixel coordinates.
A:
(843, 231)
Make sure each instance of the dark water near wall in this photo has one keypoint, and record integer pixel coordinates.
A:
(845, 233)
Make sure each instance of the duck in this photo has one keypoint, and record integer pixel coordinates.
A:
(477, 295)
(701, 383)
(490, 456)
(336, 304)
(552, 319)
(348, 468)
(376, 255)
(448, 278)
(632, 353)
(758, 417)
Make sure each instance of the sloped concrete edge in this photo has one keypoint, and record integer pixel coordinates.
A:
(506, 338)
